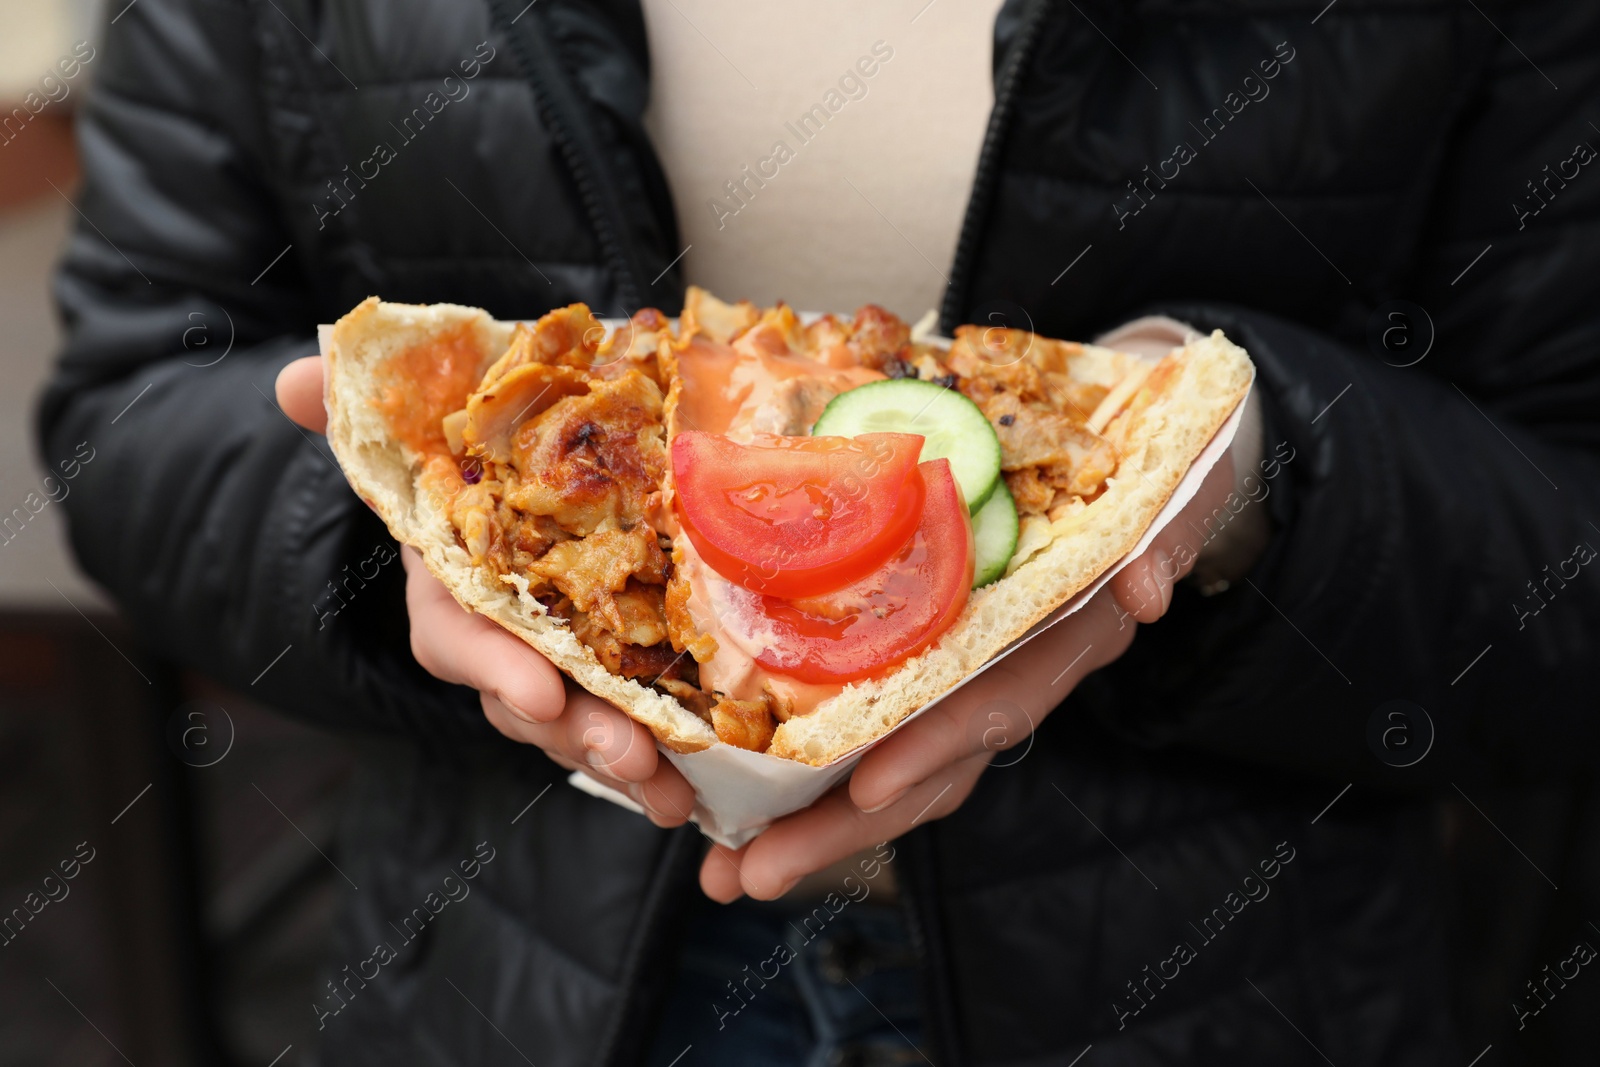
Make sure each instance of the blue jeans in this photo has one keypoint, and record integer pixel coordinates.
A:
(785, 985)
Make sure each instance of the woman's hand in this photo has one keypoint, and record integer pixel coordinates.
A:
(926, 770)
(524, 695)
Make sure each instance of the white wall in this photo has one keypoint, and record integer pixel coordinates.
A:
(36, 570)
(36, 33)
(34, 558)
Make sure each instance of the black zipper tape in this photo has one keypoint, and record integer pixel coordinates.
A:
(565, 112)
(987, 175)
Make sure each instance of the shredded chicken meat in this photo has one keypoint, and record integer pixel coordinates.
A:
(558, 459)
(1040, 412)
(591, 462)
(561, 455)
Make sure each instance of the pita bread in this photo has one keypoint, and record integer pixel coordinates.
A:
(1168, 419)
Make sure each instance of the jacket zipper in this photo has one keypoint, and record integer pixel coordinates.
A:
(917, 861)
(986, 176)
(920, 901)
(559, 103)
(623, 1039)
(924, 965)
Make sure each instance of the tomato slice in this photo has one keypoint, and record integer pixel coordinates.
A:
(881, 620)
(797, 516)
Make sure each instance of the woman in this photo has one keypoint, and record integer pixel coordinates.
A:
(1288, 176)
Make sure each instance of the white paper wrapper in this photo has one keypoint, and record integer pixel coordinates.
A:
(738, 793)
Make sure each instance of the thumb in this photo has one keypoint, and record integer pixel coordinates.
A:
(299, 389)
(459, 646)
(1144, 587)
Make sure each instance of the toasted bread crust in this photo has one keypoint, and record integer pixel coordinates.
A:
(386, 473)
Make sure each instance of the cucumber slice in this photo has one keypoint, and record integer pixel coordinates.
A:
(994, 536)
(954, 428)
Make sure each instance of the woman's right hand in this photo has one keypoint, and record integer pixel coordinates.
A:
(524, 695)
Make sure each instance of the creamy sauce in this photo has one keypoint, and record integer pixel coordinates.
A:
(733, 671)
(423, 384)
(725, 386)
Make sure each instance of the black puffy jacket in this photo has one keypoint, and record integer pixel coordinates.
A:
(1279, 172)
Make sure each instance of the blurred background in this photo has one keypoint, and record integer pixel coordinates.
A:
(193, 933)
(193, 924)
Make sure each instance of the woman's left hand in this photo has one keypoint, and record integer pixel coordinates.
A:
(927, 769)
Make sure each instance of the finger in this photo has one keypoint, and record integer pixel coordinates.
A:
(459, 646)
(514, 727)
(719, 874)
(589, 736)
(607, 740)
(834, 828)
(665, 796)
(299, 389)
(996, 711)
(654, 784)
(593, 736)
(1144, 587)
(811, 839)
(636, 792)
(920, 749)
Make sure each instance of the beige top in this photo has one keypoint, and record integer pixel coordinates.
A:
(821, 153)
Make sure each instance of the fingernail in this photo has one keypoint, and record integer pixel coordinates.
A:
(893, 798)
(514, 709)
(636, 794)
(597, 761)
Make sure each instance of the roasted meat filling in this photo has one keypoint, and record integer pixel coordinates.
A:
(636, 648)
(554, 477)
(565, 441)
(1051, 455)
(602, 575)
(592, 462)
(746, 723)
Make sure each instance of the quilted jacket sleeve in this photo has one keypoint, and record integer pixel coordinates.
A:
(226, 534)
(1438, 495)
(1432, 547)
